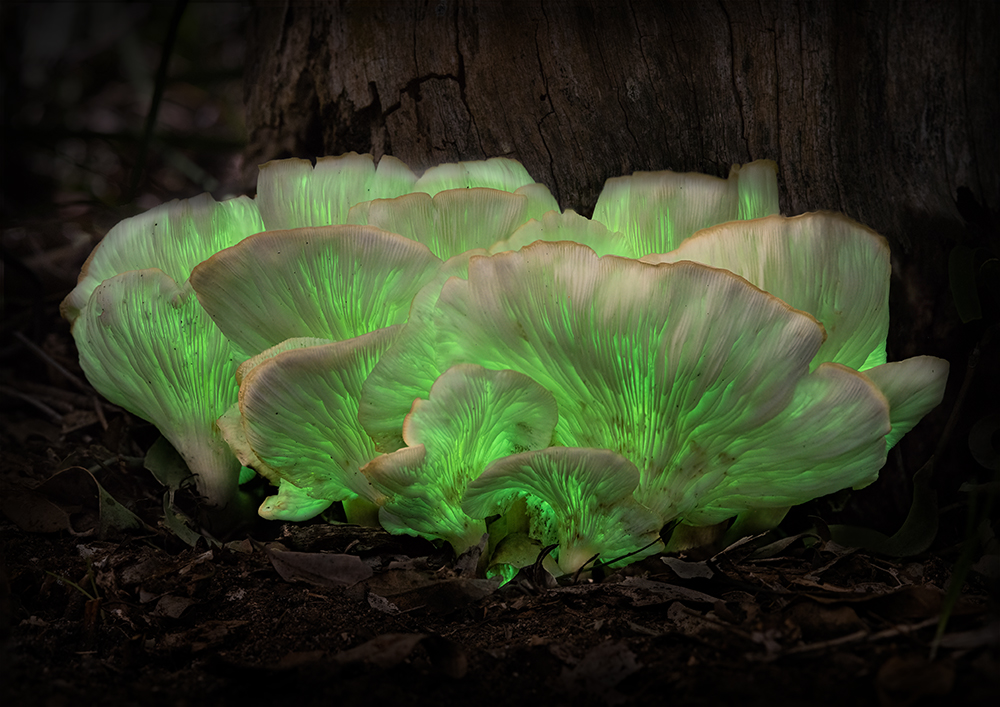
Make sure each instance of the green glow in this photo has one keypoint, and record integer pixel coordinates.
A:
(299, 415)
(913, 388)
(517, 550)
(472, 417)
(578, 498)
(495, 173)
(450, 223)
(682, 391)
(292, 504)
(246, 474)
(147, 345)
(822, 263)
(336, 283)
(675, 367)
(172, 237)
(568, 226)
(295, 194)
(502, 570)
(656, 211)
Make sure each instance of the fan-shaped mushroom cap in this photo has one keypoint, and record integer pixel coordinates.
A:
(172, 237)
(568, 226)
(472, 417)
(147, 345)
(672, 366)
(452, 221)
(293, 193)
(913, 388)
(230, 423)
(822, 263)
(300, 416)
(656, 211)
(336, 282)
(838, 271)
(495, 173)
(578, 498)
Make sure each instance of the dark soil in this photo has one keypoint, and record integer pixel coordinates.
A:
(142, 618)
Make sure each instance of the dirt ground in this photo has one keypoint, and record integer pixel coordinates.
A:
(106, 599)
(319, 612)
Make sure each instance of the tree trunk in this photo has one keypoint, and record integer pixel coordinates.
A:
(881, 110)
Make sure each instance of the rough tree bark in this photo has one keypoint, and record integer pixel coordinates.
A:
(881, 110)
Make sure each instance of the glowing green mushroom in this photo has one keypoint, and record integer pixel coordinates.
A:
(299, 414)
(580, 499)
(291, 503)
(472, 417)
(677, 368)
(656, 211)
(294, 193)
(822, 263)
(568, 226)
(913, 388)
(495, 173)
(452, 221)
(172, 237)
(147, 345)
(838, 271)
(336, 283)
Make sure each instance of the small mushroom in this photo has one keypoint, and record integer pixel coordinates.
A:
(455, 220)
(294, 193)
(580, 499)
(173, 237)
(471, 417)
(299, 414)
(494, 173)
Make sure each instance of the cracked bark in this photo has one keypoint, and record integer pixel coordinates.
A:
(892, 102)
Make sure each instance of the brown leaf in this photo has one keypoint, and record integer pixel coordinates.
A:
(172, 606)
(818, 622)
(319, 568)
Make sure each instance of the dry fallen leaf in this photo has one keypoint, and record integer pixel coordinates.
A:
(319, 568)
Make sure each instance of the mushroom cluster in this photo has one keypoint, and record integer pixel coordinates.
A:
(450, 354)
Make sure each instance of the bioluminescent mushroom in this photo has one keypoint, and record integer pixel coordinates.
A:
(144, 341)
(580, 499)
(656, 211)
(472, 417)
(294, 193)
(299, 416)
(838, 271)
(336, 282)
(291, 502)
(822, 263)
(568, 226)
(679, 368)
(455, 220)
(494, 173)
(172, 237)
(514, 552)
(147, 345)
